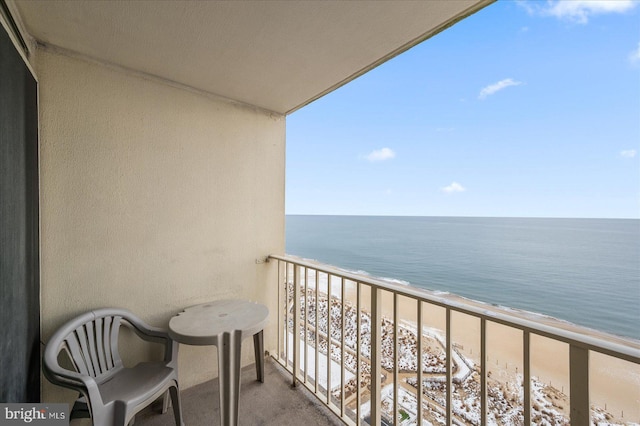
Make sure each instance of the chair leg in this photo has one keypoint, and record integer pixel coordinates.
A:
(119, 415)
(177, 409)
(166, 402)
(258, 346)
(80, 409)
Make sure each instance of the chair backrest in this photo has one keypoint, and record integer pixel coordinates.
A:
(90, 340)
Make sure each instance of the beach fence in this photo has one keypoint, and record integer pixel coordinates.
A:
(340, 335)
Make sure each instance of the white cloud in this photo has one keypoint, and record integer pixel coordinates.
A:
(454, 187)
(578, 11)
(634, 56)
(495, 87)
(628, 153)
(381, 155)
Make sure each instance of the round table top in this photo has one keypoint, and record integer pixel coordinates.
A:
(204, 324)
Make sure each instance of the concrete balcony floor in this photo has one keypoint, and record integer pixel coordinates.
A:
(274, 402)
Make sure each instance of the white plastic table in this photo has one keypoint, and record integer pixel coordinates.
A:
(225, 324)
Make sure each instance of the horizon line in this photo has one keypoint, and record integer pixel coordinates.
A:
(461, 217)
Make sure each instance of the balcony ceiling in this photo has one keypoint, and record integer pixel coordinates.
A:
(277, 55)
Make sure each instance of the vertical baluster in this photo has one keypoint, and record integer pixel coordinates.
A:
(287, 358)
(376, 352)
(395, 358)
(296, 320)
(449, 368)
(328, 339)
(483, 371)
(342, 349)
(579, 385)
(526, 376)
(306, 323)
(279, 305)
(358, 402)
(420, 367)
(317, 330)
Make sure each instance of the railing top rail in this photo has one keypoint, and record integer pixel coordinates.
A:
(619, 347)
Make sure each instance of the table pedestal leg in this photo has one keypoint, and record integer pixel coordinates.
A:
(229, 376)
(258, 346)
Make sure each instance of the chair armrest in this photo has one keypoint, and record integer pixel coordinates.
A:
(71, 379)
(154, 334)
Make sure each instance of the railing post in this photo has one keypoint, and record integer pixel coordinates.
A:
(279, 305)
(483, 372)
(342, 348)
(286, 313)
(579, 385)
(376, 352)
(328, 339)
(306, 323)
(358, 360)
(296, 319)
(317, 327)
(420, 367)
(396, 379)
(526, 376)
(449, 396)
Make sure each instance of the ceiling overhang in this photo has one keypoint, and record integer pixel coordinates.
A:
(276, 55)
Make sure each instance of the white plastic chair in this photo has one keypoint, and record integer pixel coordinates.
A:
(111, 393)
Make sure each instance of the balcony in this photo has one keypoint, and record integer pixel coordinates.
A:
(159, 162)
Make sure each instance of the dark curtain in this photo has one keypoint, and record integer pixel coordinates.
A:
(19, 236)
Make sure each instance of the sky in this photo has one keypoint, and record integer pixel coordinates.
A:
(524, 109)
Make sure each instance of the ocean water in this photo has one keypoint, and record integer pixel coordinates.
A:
(586, 271)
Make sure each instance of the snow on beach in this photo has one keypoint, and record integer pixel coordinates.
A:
(322, 365)
(505, 393)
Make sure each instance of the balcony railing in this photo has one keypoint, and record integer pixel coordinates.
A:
(337, 330)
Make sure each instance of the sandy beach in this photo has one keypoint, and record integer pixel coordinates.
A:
(614, 384)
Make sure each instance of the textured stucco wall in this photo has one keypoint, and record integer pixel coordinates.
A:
(153, 198)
